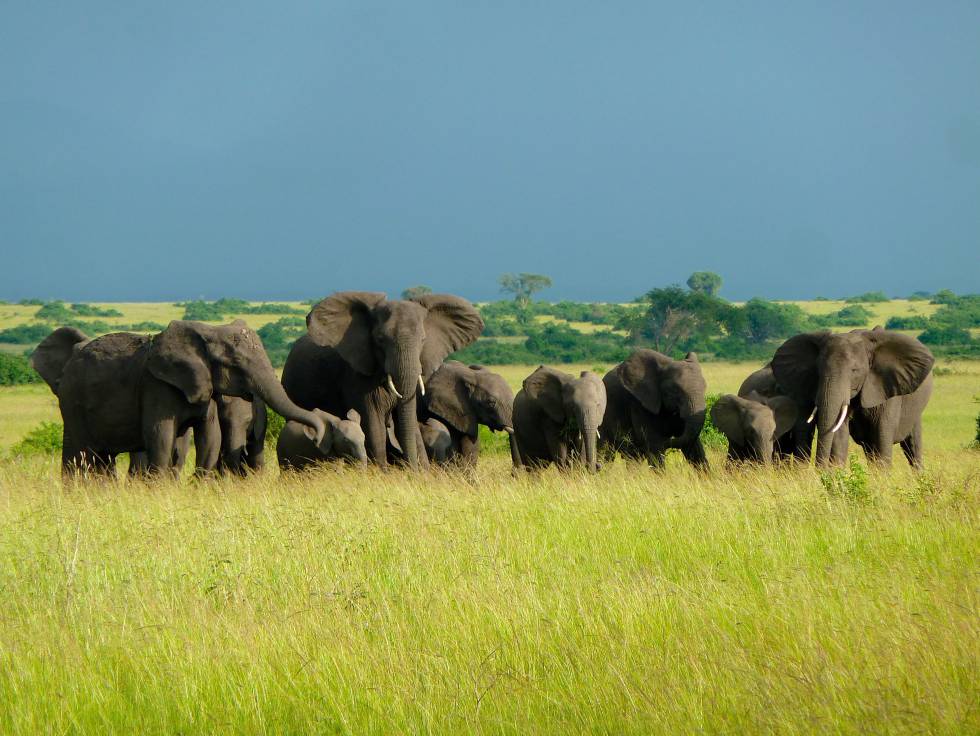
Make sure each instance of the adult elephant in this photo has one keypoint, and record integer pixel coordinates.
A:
(462, 397)
(753, 424)
(126, 393)
(656, 403)
(365, 352)
(878, 380)
(798, 442)
(556, 418)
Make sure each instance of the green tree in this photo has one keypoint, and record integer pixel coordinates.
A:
(414, 292)
(523, 285)
(704, 282)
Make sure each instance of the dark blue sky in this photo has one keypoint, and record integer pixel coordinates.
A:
(285, 150)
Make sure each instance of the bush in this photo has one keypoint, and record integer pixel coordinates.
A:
(273, 428)
(25, 334)
(913, 322)
(711, 436)
(15, 370)
(31, 302)
(278, 337)
(919, 296)
(943, 296)
(945, 336)
(850, 483)
(45, 439)
(868, 297)
(851, 316)
(87, 310)
(488, 351)
(54, 312)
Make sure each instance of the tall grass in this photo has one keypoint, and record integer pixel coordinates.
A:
(630, 602)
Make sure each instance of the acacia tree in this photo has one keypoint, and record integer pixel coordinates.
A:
(523, 286)
(414, 292)
(704, 282)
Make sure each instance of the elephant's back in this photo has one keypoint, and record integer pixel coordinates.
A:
(762, 381)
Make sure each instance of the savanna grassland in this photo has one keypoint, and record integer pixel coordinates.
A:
(750, 601)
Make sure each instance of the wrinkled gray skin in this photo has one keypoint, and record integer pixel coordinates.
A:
(798, 442)
(462, 397)
(239, 424)
(656, 403)
(365, 352)
(126, 393)
(437, 440)
(557, 417)
(343, 440)
(753, 424)
(883, 380)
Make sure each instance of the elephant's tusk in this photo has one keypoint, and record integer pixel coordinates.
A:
(597, 435)
(843, 416)
(391, 386)
(509, 430)
(812, 415)
(421, 384)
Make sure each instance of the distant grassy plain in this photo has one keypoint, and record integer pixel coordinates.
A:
(745, 601)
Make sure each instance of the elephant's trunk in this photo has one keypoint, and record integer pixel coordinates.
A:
(693, 424)
(274, 395)
(406, 427)
(832, 404)
(515, 452)
(589, 440)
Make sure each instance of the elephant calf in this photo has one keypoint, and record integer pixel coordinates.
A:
(343, 439)
(753, 424)
(557, 417)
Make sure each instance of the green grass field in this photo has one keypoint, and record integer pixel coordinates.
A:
(748, 601)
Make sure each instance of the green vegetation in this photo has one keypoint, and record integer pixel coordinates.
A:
(278, 337)
(219, 311)
(15, 370)
(414, 292)
(868, 297)
(704, 282)
(56, 311)
(45, 439)
(523, 285)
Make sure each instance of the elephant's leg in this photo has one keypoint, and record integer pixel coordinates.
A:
(694, 453)
(912, 446)
(420, 453)
(159, 437)
(881, 447)
(207, 447)
(375, 437)
(469, 451)
(557, 449)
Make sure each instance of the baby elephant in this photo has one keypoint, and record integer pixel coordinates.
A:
(343, 439)
(557, 417)
(753, 424)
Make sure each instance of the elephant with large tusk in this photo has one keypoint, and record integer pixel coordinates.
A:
(365, 352)
(871, 384)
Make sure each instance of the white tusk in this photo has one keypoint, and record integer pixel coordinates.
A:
(421, 385)
(391, 385)
(812, 415)
(843, 416)
(597, 435)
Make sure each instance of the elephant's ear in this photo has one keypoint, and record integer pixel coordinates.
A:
(795, 363)
(899, 365)
(448, 398)
(451, 324)
(544, 386)
(785, 412)
(344, 321)
(726, 415)
(640, 374)
(51, 356)
(353, 416)
(260, 418)
(179, 356)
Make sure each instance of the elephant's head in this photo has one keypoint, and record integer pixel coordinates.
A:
(201, 360)
(752, 424)
(663, 385)
(50, 357)
(829, 370)
(577, 404)
(344, 437)
(399, 343)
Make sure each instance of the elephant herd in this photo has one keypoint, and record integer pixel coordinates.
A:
(370, 383)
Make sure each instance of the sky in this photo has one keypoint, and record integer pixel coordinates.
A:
(176, 150)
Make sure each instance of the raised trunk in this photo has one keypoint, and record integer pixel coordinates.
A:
(693, 423)
(273, 394)
(830, 402)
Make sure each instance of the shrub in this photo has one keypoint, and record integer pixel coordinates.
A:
(943, 296)
(919, 296)
(31, 302)
(15, 370)
(25, 334)
(87, 310)
(278, 337)
(711, 436)
(54, 312)
(850, 483)
(868, 297)
(913, 322)
(273, 428)
(945, 336)
(488, 351)
(45, 439)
